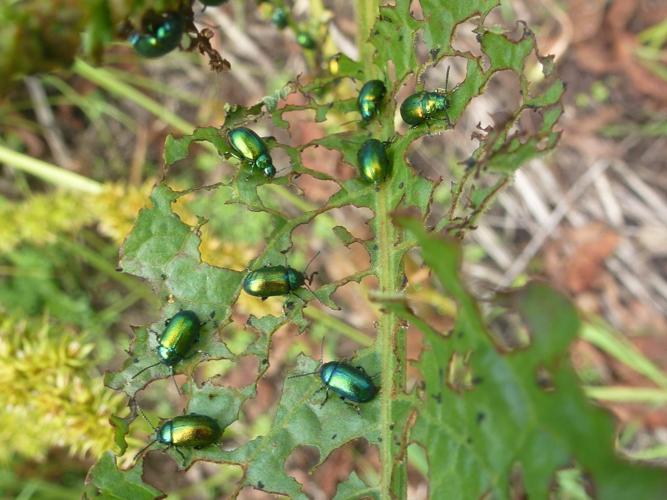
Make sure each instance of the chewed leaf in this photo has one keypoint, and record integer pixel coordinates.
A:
(221, 404)
(106, 481)
(466, 432)
(164, 250)
(121, 428)
(176, 149)
(394, 38)
(302, 420)
(445, 15)
(353, 488)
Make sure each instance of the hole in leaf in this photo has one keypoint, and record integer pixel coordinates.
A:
(255, 492)
(517, 488)
(544, 379)
(416, 10)
(302, 459)
(435, 77)
(459, 372)
(465, 39)
(161, 471)
(303, 127)
(572, 482)
(508, 332)
(337, 467)
(528, 124)
(352, 297)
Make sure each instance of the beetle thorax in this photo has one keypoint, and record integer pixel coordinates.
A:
(164, 433)
(167, 354)
(294, 278)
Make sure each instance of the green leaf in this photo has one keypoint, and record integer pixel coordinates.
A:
(106, 481)
(394, 39)
(220, 403)
(525, 410)
(302, 420)
(353, 488)
(163, 250)
(445, 15)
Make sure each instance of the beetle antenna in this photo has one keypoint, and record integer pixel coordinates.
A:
(310, 262)
(141, 451)
(447, 79)
(303, 374)
(146, 418)
(145, 368)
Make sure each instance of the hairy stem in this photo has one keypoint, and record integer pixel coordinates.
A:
(393, 483)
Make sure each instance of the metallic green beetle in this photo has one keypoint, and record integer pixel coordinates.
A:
(180, 334)
(424, 106)
(370, 98)
(374, 164)
(191, 431)
(269, 281)
(349, 382)
(251, 148)
(279, 18)
(305, 39)
(160, 34)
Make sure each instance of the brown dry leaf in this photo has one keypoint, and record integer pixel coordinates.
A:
(612, 48)
(576, 260)
(594, 243)
(649, 417)
(586, 17)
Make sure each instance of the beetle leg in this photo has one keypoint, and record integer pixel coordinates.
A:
(326, 397)
(309, 279)
(362, 369)
(449, 122)
(173, 377)
(185, 462)
(352, 405)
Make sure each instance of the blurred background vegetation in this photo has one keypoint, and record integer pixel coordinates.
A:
(81, 146)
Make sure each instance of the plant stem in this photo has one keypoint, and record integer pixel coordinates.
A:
(390, 347)
(390, 343)
(50, 173)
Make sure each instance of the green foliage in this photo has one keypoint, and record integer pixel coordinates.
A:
(523, 426)
(524, 410)
(106, 481)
